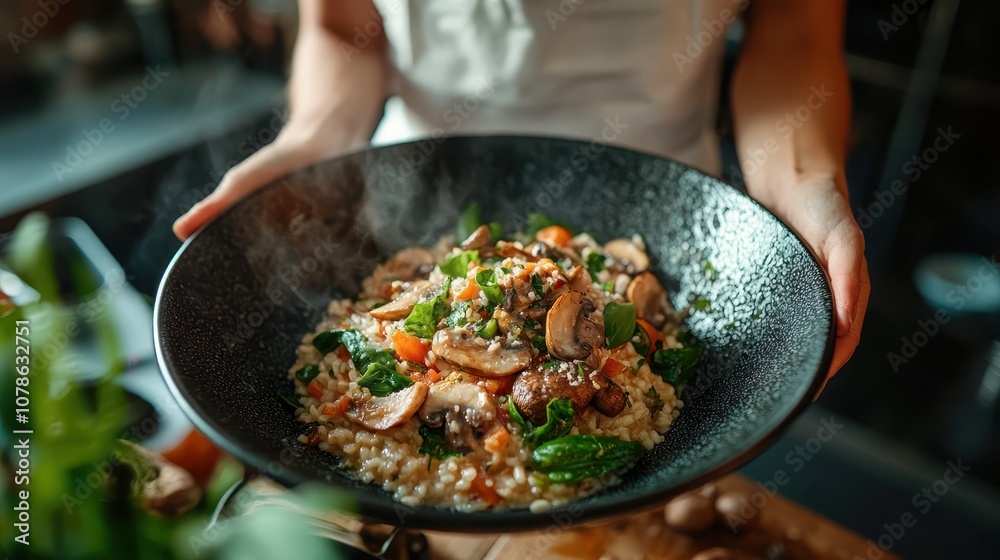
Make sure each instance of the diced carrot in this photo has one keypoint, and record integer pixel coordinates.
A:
(528, 267)
(343, 354)
(409, 347)
(338, 408)
(315, 388)
(654, 334)
(496, 440)
(470, 291)
(430, 376)
(484, 492)
(612, 367)
(554, 235)
(496, 385)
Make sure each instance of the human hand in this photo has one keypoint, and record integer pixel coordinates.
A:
(818, 210)
(294, 148)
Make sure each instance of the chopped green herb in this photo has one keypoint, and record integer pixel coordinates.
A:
(489, 330)
(619, 323)
(290, 400)
(306, 374)
(579, 369)
(458, 265)
(595, 264)
(363, 354)
(657, 401)
(382, 380)
(640, 363)
(559, 421)
(676, 365)
(641, 340)
(458, 316)
(487, 281)
(327, 341)
(538, 341)
(530, 323)
(608, 286)
(536, 283)
(434, 444)
(515, 416)
(416, 366)
(424, 318)
(570, 459)
(505, 270)
(550, 364)
(308, 428)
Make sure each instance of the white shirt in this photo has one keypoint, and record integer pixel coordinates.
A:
(638, 73)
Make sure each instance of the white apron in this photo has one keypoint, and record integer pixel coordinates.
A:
(637, 73)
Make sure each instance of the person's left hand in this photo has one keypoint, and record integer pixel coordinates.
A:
(818, 210)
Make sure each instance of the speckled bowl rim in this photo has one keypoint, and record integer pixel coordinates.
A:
(388, 510)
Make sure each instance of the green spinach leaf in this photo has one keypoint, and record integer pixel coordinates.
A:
(570, 459)
(559, 421)
(619, 323)
(675, 365)
(457, 266)
(423, 320)
(382, 380)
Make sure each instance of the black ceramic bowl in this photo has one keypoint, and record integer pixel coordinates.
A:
(240, 294)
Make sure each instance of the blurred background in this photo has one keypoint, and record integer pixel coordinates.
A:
(124, 113)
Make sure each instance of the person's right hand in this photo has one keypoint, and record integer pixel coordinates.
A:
(292, 149)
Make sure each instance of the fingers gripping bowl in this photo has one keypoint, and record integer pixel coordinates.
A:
(239, 297)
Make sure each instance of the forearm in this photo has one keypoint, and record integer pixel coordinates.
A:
(336, 89)
(791, 97)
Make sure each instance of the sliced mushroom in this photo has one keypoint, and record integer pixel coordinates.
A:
(465, 349)
(570, 333)
(400, 307)
(480, 238)
(579, 279)
(464, 408)
(383, 413)
(650, 299)
(611, 399)
(410, 263)
(628, 255)
(535, 387)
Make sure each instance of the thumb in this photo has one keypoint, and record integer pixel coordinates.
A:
(270, 163)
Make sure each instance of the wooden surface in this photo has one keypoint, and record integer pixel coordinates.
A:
(783, 530)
